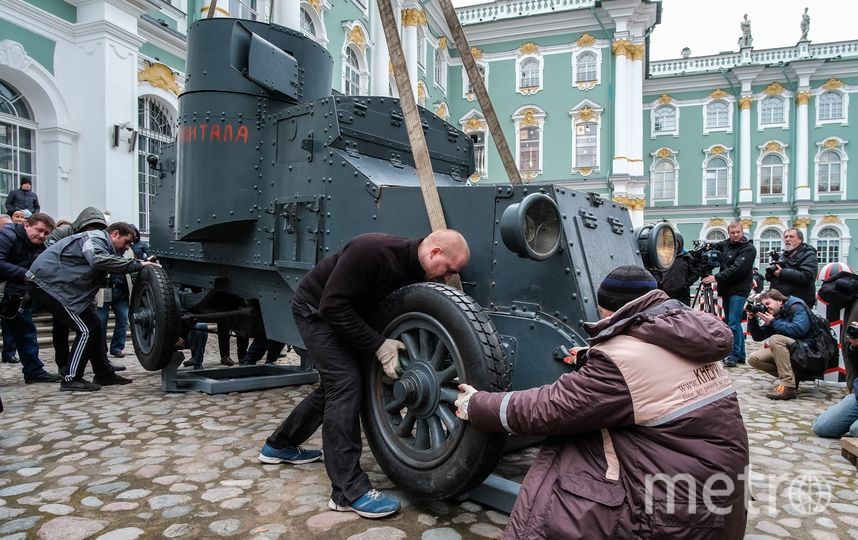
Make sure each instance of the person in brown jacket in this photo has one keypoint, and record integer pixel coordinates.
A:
(645, 440)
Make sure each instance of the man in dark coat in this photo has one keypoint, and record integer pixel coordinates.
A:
(735, 280)
(331, 307)
(639, 435)
(19, 247)
(22, 198)
(795, 273)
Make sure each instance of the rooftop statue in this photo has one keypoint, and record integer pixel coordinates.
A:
(805, 25)
(746, 40)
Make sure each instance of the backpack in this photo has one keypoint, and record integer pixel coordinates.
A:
(839, 290)
(816, 353)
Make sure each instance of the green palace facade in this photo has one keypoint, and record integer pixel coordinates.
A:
(757, 135)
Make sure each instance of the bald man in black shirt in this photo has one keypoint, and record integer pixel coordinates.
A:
(331, 307)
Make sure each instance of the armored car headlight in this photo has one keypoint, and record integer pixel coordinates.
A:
(657, 244)
(532, 228)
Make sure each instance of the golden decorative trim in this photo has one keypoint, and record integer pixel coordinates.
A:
(529, 119)
(717, 150)
(442, 111)
(830, 218)
(833, 84)
(664, 153)
(476, 53)
(221, 10)
(529, 175)
(717, 222)
(586, 40)
(774, 89)
(475, 124)
(620, 47)
(632, 204)
(442, 42)
(664, 99)
(773, 220)
(528, 48)
(637, 52)
(585, 85)
(745, 102)
(803, 97)
(801, 222)
(317, 5)
(470, 96)
(413, 17)
(421, 93)
(585, 171)
(773, 147)
(746, 223)
(831, 143)
(159, 76)
(586, 114)
(718, 94)
(356, 37)
(529, 90)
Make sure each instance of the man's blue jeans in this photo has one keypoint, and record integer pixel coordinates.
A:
(839, 420)
(734, 305)
(24, 332)
(119, 305)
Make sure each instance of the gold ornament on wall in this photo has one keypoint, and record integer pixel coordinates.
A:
(413, 17)
(773, 220)
(528, 48)
(637, 52)
(421, 93)
(745, 102)
(159, 76)
(529, 119)
(317, 5)
(442, 111)
(664, 153)
(475, 124)
(620, 47)
(664, 99)
(802, 98)
(718, 94)
(584, 171)
(831, 143)
(717, 150)
(586, 40)
(476, 53)
(356, 36)
(801, 222)
(833, 84)
(442, 42)
(773, 146)
(774, 89)
(586, 114)
(632, 204)
(717, 222)
(830, 219)
(747, 223)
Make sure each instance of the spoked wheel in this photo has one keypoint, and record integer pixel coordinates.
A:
(411, 423)
(154, 317)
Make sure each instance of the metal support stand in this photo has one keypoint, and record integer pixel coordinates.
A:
(233, 379)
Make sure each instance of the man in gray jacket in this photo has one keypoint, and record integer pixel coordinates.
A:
(67, 277)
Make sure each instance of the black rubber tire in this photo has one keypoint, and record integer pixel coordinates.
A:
(154, 318)
(437, 455)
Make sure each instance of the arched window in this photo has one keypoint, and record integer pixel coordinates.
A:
(351, 83)
(828, 246)
(155, 129)
(663, 181)
(482, 70)
(529, 76)
(772, 175)
(529, 143)
(586, 68)
(307, 24)
(440, 68)
(717, 115)
(772, 110)
(770, 239)
(716, 235)
(828, 177)
(665, 119)
(586, 140)
(421, 49)
(17, 140)
(479, 140)
(716, 178)
(831, 106)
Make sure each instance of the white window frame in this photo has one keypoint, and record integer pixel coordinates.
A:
(321, 36)
(842, 230)
(726, 129)
(540, 116)
(707, 230)
(844, 159)
(421, 49)
(362, 5)
(709, 155)
(845, 100)
(785, 99)
(529, 90)
(597, 111)
(672, 158)
(146, 133)
(363, 72)
(784, 160)
(442, 68)
(586, 85)
(658, 105)
(463, 122)
(466, 82)
(763, 253)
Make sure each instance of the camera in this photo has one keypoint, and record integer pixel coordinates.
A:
(774, 262)
(755, 306)
(852, 331)
(704, 259)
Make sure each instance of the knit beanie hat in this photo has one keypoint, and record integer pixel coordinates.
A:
(623, 285)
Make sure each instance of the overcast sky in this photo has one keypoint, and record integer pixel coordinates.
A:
(709, 27)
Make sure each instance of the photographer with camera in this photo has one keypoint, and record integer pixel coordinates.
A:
(784, 321)
(841, 420)
(734, 280)
(794, 272)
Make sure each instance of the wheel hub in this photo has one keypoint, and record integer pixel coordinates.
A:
(418, 389)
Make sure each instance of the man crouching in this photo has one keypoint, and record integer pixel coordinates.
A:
(646, 439)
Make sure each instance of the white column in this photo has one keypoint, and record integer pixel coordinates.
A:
(410, 20)
(745, 193)
(636, 165)
(802, 188)
(285, 13)
(621, 103)
(380, 83)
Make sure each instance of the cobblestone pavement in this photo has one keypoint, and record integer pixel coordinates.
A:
(132, 462)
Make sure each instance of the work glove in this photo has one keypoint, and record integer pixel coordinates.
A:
(388, 355)
(465, 393)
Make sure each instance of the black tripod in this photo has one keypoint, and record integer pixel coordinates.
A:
(707, 295)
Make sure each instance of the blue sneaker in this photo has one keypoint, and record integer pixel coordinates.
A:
(293, 454)
(372, 504)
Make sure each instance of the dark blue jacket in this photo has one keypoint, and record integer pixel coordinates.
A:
(793, 320)
(737, 263)
(19, 199)
(16, 253)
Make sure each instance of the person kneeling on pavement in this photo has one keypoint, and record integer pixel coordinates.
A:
(66, 278)
(652, 401)
(786, 319)
(841, 420)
